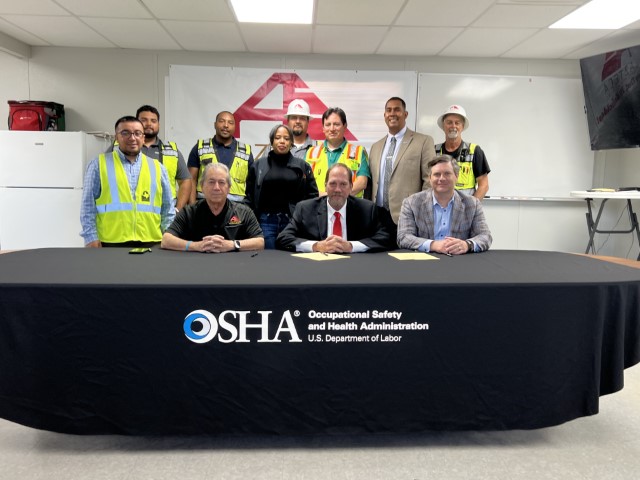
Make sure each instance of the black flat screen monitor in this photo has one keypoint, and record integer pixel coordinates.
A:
(611, 83)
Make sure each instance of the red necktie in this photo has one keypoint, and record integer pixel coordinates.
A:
(337, 225)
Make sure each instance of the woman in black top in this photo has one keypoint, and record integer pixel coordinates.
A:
(276, 183)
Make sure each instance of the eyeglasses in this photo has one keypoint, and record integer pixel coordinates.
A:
(127, 134)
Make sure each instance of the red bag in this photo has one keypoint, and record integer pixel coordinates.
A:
(36, 116)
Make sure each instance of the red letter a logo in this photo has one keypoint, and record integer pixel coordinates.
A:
(293, 87)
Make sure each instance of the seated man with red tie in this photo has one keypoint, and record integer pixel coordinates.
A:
(337, 222)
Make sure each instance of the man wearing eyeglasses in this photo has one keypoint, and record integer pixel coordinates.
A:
(127, 200)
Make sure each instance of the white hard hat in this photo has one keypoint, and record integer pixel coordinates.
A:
(298, 107)
(457, 110)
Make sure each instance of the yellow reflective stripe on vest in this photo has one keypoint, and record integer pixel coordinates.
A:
(318, 159)
(239, 168)
(120, 217)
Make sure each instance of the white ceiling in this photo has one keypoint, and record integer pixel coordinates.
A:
(456, 28)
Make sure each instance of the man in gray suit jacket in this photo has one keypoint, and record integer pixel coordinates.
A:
(442, 220)
(410, 154)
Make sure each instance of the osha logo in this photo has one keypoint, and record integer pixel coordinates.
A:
(201, 326)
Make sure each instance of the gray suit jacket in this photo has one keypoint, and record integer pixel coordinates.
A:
(409, 174)
(467, 221)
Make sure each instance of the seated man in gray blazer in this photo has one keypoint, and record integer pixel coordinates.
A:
(337, 222)
(442, 220)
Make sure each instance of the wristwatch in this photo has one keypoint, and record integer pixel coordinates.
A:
(236, 245)
(469, 246)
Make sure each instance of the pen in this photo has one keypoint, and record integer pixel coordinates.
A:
(254, 254)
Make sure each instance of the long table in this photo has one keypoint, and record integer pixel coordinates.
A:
(98, 341)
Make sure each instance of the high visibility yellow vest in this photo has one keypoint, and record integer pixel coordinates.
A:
(169, 158)
(239, 168)
(317, 157)
(121, 218)
(466, 177)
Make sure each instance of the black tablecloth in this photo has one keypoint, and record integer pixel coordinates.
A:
(95, 341)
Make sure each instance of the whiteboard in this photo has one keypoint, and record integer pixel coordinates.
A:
(532, 129)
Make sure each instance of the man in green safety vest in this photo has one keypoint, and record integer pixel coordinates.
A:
(127, 198)
(222, 148)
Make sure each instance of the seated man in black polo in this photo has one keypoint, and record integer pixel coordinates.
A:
(337, 222)
(214, 224)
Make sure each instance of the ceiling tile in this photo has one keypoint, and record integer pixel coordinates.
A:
(30, 7)
(133, 33)
(339, 12)
(60, 31)
(105, 8)
(206, 36)
(197, 10)
(347, 40)
(437, 13)
(20, 34)
(616, 41)
(289, 38)
(486, 42)
(417, 40)
(526, 16)
(554, 43)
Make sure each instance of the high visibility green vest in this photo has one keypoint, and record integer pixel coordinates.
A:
(169, 156)
(121, 218)
(317, 157)
(239, 168)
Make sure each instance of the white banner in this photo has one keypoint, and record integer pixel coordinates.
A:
(258, 98)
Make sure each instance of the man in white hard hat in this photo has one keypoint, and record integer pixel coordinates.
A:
(474, 169)
(298, 116)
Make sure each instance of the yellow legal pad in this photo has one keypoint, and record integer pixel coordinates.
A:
(319, 257)
(413, 256)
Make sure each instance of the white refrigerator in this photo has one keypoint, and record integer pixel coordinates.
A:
(41, 177)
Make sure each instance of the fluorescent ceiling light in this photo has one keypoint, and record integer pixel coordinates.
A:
(602, 15)
(274, 11)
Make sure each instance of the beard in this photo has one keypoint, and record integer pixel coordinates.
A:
(297, 131)
(452, 134)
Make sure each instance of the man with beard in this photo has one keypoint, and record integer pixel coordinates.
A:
(222, 148)
(126, 199)
(298, 116)
(337, 222)
(166, 153)
(474, 169)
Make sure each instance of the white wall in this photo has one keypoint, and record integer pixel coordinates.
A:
(99, 85)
